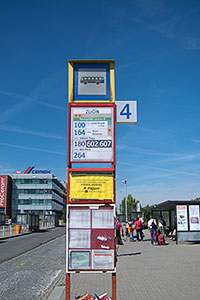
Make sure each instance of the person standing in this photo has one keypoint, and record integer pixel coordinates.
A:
(119, 231)
(161, 225)
(126, 231)
(138, 228)
(142, 225)
(130, 231)
(152, 227)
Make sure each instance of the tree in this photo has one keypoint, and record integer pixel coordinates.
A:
(63, 217)
(146, 212)
(196, 199)
(131, 205)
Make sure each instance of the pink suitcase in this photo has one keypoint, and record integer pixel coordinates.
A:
(161, 240)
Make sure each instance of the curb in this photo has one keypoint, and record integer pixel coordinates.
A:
(57, 289)
(20, 234)
(57, 293)
(13, 236)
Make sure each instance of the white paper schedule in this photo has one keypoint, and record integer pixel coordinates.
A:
(102, 219)
(79, 238)
(79, 218)
(103, 259)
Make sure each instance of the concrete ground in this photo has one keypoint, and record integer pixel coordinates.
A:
(146, 272)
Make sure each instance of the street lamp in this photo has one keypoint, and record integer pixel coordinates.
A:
(125, 182)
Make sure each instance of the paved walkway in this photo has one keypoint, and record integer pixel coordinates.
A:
(147, 272)
(7, 232)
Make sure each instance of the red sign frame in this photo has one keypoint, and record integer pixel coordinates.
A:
(99, 170)
(70, 105)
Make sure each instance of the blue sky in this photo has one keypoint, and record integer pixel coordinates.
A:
(156, 45)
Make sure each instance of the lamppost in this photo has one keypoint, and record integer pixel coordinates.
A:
(125, 183)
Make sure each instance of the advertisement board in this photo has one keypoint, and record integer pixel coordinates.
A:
(3, 189)
(90, 247)
(182, 218)
(194, 217)
(92, 134)
(90, 186)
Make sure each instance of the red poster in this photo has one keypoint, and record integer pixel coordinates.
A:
(3, 191)
(103, 239)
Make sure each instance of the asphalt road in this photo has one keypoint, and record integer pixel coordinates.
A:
(30, 276)
(15, 246)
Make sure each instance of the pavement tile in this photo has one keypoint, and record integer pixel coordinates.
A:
(147, 272)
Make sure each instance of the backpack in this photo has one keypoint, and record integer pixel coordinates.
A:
(153, 225)
(163, 222)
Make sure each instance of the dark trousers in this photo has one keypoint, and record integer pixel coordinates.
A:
(139, 232)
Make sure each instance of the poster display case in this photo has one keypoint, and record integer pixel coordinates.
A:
(194, 218)
(91, 239)
(188, 223)
(182, 217)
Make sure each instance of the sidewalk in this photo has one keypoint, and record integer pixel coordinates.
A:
(6, 232)
(145, 272)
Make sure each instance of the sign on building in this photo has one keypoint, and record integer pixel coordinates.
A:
(3, 190)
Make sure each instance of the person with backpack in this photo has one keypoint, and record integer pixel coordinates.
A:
(152, 226)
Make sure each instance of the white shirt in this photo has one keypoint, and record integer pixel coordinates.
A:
(150, 222)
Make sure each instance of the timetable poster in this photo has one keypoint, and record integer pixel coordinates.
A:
(92, 134)
(194, 217)
(182, 218)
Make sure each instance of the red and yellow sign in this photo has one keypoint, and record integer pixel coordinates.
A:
(91, 186)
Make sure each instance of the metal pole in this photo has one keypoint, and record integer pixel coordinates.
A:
(126, 201)
(67, 288)
(114, 287)
(126, 211)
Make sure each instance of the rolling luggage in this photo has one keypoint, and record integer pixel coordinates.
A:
(161, 240)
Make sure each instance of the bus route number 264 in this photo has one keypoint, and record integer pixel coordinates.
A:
(79, 155)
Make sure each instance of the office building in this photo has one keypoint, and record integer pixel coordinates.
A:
(41, 194)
